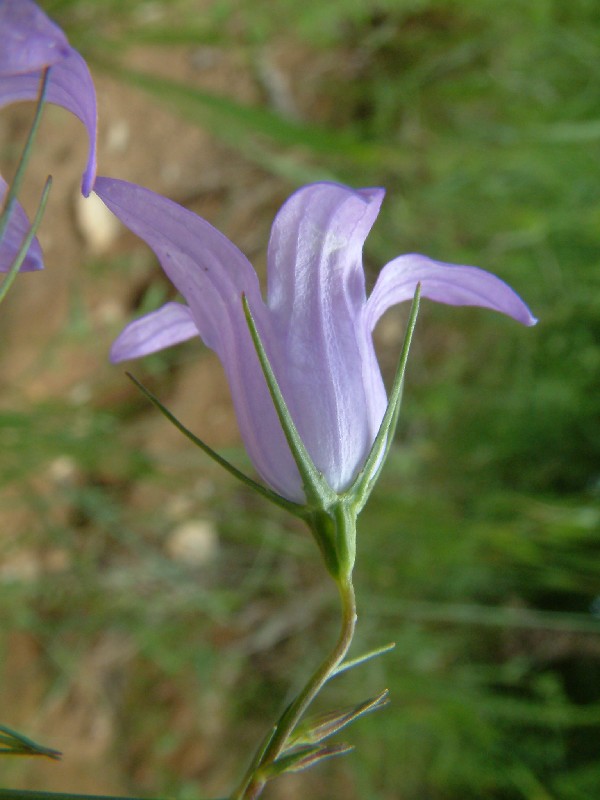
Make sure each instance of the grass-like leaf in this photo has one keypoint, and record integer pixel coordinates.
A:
(16, 744)
(362, 659)
(222, 462)
(234, 121)
(317, 730)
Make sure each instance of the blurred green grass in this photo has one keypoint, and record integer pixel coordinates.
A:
(479, 551)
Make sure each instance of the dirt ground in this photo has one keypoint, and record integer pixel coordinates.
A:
(142, 142)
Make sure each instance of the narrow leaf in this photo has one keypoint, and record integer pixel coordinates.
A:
(15, 743)
(25, 794)
(306, 757)
(294, 508)
(317, 730)
(236, 122)
(355, 662)
(316, 487)
(363, 485)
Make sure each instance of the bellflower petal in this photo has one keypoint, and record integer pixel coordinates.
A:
(445, 283)
(316, 295)
(316, 325)
(30, 41)
(169, 325)
(26, 51)
(212, 274)
(18, 227)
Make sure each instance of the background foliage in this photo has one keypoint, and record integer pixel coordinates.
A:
(478, 553)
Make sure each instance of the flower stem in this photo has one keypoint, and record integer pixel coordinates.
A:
(257, 775)
(15, 186)
(10, 276)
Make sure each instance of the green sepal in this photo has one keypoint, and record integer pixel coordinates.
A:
(318, 492)
(334, 530)
(322, 525)
(14, 743)
(327, 513)
(365, 481)
(269, 494)
(314, 731)
(305, 757)
(355, 662)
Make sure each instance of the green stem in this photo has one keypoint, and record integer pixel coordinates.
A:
(15, 186)
(22, 254)
(257, 776)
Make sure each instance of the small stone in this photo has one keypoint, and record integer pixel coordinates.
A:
(118, 137)
(193, 543)
(97, 225)
(63, 470)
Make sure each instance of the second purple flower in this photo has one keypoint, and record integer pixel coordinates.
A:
(31, 42)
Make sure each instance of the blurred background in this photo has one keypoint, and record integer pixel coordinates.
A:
(153, 613)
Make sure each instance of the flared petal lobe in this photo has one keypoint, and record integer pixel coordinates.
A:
(169, 325)
(203, 265)
(445, 283)
(15, 233)
(325, 361)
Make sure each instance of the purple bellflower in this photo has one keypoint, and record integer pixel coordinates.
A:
(316, 324)
(30, 42)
